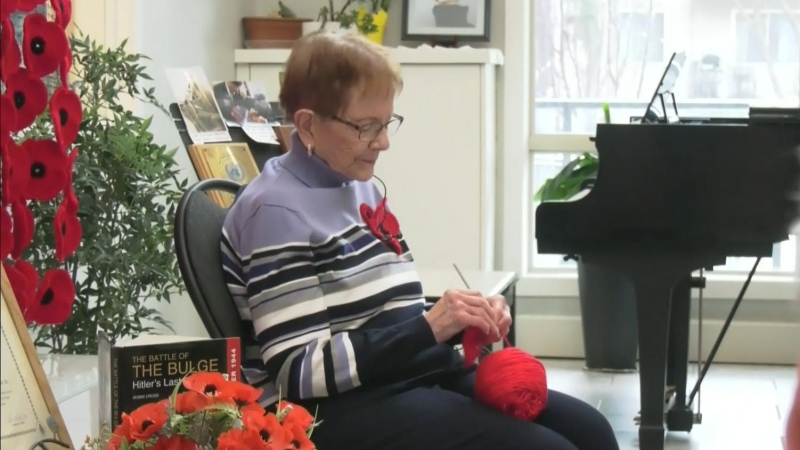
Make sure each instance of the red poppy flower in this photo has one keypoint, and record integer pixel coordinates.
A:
(44, 45)
(295, 414)
(189, 402)
(63, 12)
(121, 432)
(23, 279)
(29, 95)
(6, 8)
(8, 116)
(68, 230)
(45, 173)
(300, 439)
(176, 442)
(13, 184)
(65, 66)
(6, 235)
(268, 428)
(146, 420)
(66, 112)
(54, 298)
(236, 439)
(210, 384)
(242, 394)
(10, 57)
(383, 225)
(23, 228)
(28, 5)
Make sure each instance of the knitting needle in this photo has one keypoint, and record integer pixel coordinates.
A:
(462, 276)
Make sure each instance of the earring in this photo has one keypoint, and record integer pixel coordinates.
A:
(310, 150)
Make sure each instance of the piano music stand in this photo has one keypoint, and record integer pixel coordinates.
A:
(664, 87)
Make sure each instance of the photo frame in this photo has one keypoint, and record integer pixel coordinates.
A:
(446, 20)
(231, 161)
(31, 417)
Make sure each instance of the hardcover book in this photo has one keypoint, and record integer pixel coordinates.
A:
(147, 369)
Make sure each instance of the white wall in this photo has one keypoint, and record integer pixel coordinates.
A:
(183, 33)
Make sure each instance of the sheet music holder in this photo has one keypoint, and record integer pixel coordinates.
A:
(665, 87)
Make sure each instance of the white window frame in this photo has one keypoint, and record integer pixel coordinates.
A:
(518, 144)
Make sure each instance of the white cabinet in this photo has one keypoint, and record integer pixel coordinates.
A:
(440, 170)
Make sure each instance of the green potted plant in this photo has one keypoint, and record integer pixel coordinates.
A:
(607, 298)
(350, 16)
(278, 29)
(127, 188)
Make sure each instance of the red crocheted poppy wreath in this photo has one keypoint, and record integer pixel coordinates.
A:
(66, 113)
(11, 58)
(54, 298)
(44, 45)
(29, 95)
(45, 173)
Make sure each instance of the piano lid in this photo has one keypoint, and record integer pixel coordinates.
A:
(722, 187)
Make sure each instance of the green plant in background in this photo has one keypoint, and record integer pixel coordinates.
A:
(348, 16)
(285, 12)
(128, 189)
(570, 180)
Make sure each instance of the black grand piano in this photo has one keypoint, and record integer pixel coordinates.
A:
(673, 196)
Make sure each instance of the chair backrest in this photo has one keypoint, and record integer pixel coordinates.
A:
(198, 231)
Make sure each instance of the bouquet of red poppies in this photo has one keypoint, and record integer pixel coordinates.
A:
(212, 414)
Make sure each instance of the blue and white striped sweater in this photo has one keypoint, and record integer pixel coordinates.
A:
(331, 307)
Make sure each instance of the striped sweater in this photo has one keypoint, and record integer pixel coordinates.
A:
(331, 308)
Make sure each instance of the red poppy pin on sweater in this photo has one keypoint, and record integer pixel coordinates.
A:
(509, 380)
(383, 225)
(37, 170)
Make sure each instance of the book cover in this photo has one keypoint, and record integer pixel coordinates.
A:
(147, 369)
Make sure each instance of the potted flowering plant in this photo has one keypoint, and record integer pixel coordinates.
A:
(211, 413)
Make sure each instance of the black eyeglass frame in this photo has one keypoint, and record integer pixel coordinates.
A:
(362, 128)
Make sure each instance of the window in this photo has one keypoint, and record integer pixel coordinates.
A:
(590, 52)
(767, 36)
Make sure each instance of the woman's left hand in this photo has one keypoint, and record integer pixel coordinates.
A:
(502, 315)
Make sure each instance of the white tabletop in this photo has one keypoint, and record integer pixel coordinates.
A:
(436, 281)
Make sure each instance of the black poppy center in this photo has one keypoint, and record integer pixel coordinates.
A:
(64, 229)
(38, 170)
(210, 390)
(47, 298)
(147, 423)
(63, 116)
(296, 443)
(37, 45)
(19, 99)
(264, 435)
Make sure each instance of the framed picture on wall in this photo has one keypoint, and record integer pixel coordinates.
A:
(456, 20)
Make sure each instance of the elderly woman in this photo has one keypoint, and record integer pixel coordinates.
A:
(338, 318)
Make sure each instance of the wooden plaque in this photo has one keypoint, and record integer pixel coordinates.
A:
(231, 161)
(29, 410)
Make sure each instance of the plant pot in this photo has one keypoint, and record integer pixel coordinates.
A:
(271, 29)
(379, 20)
(608, 318)
(313, 26)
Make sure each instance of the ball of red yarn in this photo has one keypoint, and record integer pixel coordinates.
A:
(509, 380)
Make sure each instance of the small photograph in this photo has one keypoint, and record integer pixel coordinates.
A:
(198, 106)
(243, 102)
(465, 20)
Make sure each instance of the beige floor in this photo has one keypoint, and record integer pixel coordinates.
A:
(743, 407)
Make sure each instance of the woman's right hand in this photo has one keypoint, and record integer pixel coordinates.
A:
(457, 310)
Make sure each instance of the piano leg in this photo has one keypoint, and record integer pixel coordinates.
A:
(653, 279)
(680, 417)
(653, 298)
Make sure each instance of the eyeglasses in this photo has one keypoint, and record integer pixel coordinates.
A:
(371, 131)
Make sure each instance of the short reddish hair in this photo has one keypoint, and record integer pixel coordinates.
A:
(325, 70)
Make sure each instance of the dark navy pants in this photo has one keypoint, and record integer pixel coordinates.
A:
(443, 416)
